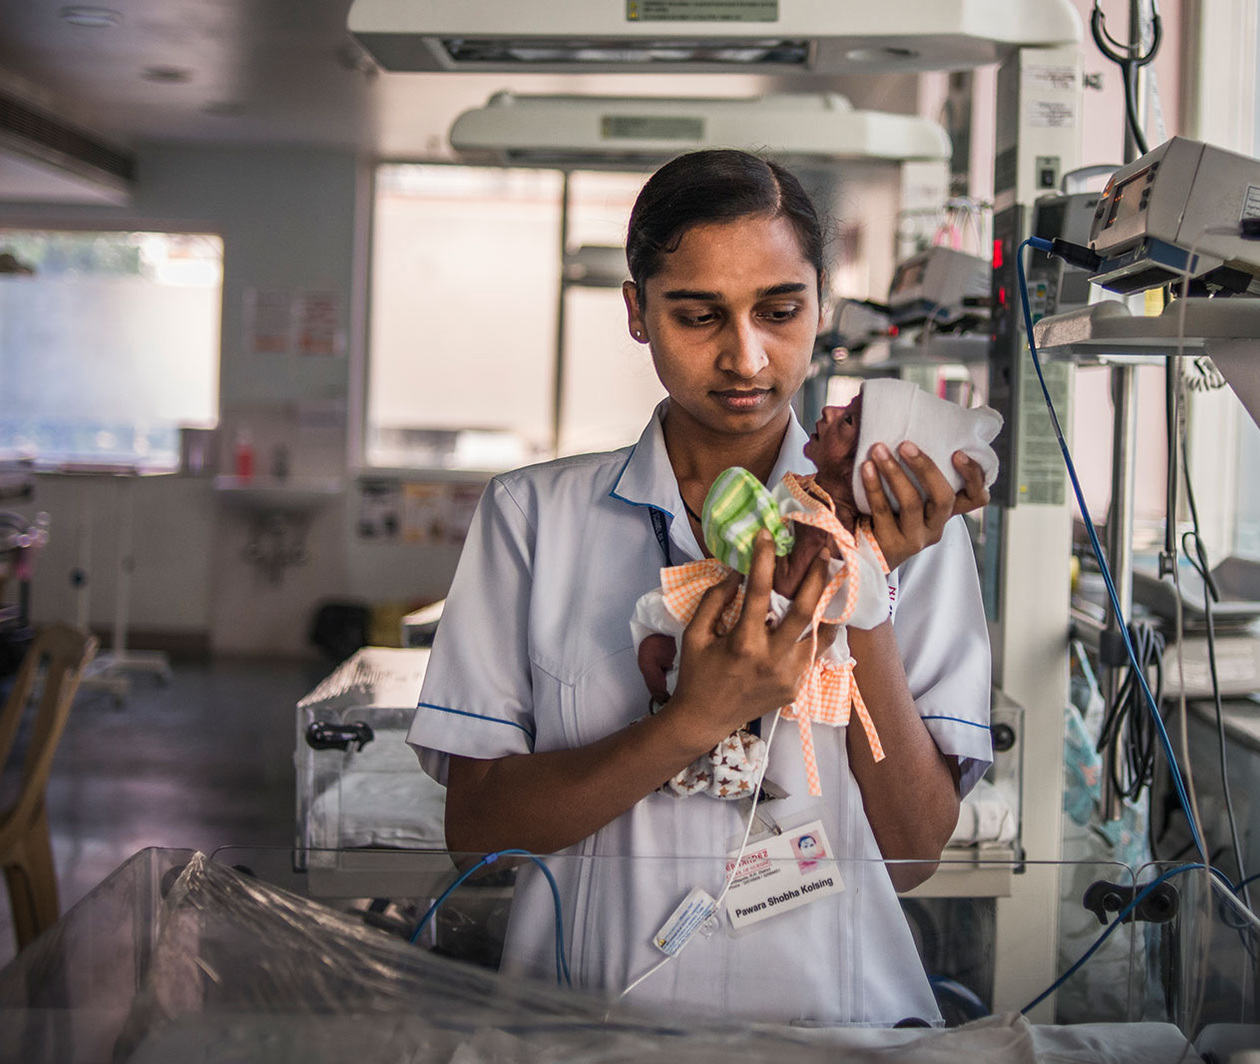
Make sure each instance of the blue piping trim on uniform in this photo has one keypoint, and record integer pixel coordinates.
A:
(958, 720)
(621, 498)
(646, 505)
(477, 716)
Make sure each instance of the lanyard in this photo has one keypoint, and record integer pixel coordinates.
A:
(662, 533)
(662, 537)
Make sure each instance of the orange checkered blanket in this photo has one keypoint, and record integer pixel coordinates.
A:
(829, 692)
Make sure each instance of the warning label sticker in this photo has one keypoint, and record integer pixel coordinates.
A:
(702, 10)
(1251, 202)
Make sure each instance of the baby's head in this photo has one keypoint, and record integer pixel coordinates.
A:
(891, 412)
(833, 449)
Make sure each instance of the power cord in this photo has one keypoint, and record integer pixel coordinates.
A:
(1248, 230)
(1089, 259)
(1127, 725)
(562, 965)
(1193, 547)
(734, 865)
(1218, 879)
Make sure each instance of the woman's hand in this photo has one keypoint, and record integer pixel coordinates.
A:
(729, 677)
(920, 520)
(548, 800)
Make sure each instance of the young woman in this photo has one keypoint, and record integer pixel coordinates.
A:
(533, 708)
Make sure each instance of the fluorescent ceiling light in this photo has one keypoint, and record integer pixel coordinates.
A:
(467, 50)
(616, 132)
(784, 36)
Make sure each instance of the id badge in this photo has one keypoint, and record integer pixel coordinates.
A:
(780, 873)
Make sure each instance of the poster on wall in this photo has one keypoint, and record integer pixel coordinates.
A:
(438, 514)
(282, 321)
(268, 321)
(422, 513)
(380, 506)
(317, 324)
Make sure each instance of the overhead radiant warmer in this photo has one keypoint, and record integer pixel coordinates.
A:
(709, 36)
(644, 131)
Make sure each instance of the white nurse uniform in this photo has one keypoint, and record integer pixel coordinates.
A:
(534, 653)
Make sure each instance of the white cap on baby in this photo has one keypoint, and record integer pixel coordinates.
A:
(894, 411)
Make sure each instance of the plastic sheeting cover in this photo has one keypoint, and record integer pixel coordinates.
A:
(226, 968)
(243, 971)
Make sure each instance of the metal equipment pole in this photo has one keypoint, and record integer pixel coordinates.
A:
(557, 400)
(1123, 460)
(1120, 540)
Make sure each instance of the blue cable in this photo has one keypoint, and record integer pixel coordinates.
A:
(962, 996)
(562, 965)
(1045, 246)
(1117, 922)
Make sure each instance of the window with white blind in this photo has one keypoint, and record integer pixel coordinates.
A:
(464, 345)
(109, 344)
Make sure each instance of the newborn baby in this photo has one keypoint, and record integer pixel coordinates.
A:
(804, 515)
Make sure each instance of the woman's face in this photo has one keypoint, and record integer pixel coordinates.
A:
(731, 318)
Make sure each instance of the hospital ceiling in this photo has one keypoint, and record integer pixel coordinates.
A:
(280, 72)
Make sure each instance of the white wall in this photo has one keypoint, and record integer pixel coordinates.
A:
(288, 221)
(172, 539)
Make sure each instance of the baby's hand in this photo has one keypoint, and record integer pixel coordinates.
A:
(656, 658)
(790, 569)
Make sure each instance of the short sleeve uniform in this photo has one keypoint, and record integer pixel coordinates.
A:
(534, 653)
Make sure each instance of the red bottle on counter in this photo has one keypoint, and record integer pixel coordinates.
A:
(244, 459)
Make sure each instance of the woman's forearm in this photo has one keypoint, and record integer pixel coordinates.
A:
(911, 797)
(546, 801)
(727, 676)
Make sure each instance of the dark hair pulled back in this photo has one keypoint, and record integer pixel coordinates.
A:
(715, 186)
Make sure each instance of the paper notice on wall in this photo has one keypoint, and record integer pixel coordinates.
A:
(282, 321)
(1052, 114)
(422, 513)
(317, 324)
(1039, 78)
(438, 514)
(268, 321)
(380, 503)
(1050, 95)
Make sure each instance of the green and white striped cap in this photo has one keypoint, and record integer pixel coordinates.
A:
(737, 507)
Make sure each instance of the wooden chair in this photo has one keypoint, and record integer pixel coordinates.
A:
(25, 845)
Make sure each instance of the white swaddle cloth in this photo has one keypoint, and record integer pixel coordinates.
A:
(894, 411)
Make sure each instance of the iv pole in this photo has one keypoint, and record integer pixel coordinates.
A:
(109, 670)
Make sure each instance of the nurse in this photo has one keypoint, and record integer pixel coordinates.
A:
(533, 710)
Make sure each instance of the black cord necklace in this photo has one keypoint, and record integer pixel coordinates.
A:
(692, 513)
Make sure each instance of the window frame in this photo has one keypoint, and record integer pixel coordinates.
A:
(58, 221)
(359, 458)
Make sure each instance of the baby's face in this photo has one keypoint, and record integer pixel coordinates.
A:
(831, 447)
